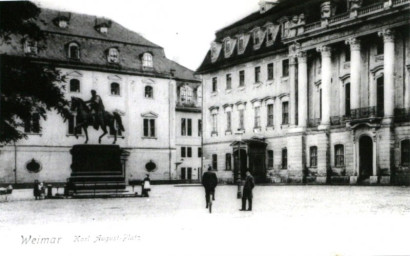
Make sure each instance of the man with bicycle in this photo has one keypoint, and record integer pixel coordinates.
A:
(209, 181)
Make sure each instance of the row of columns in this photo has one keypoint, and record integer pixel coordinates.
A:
(326, 79)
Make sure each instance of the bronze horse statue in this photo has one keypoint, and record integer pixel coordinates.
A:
(85, 119)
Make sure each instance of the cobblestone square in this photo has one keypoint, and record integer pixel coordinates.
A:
(287, 220)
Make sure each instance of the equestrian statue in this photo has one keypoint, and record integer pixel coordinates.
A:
(95, 115)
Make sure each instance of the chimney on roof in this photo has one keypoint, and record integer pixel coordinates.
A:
(265, 5)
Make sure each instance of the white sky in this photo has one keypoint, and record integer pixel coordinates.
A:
(185, 28)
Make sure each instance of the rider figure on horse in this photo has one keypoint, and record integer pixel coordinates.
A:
(97, 109)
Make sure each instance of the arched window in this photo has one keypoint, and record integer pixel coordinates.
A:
(149, 92)
(74, 85)
(147, 61)
(405, 153)
(115, 89)
(113, 55)
(73, 51)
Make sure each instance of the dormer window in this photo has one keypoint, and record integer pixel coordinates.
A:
(241, 44)
(113, 55)
(62, 23)
(256, 39)
(227, 46)
(147, 60)
(73, 51)
(103, 30)
(30, 47)
(269, 32)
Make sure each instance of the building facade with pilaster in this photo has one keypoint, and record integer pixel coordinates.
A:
(132, 76)
(311, 91)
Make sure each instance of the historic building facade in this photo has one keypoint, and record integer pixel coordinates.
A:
(132, 76)
(311, 91)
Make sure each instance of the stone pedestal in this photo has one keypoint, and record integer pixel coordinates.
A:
(373, 180)
(321, 180)
(353, 180)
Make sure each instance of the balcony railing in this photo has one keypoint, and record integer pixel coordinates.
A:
(398, 2)
(339, 17)
(314, 122)
(362, 113)
(402, 115)
(371, 8)
(313, 26)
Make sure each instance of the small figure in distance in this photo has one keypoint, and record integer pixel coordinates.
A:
(209, 181)
(146, 186)
(247, 192)
(36, 190)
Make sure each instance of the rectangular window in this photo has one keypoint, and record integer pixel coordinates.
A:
(270, 114)
(285, 68)
(189, 173)
(405, 153)
(183, 173)
(215, 162)
(214, 123)
(189, 152)
(285, 112)
(183, 151)
(257, 74)
(228, 81)
(241, 119)
(347, 54)
(183, 127)
(214, 84)
(339, 156)
(189, 127)
(320, 103)
(257, 117)
(284, 158)
(199, 127)
(313, 156)
(242, 78)
(72, 123)
(149, 127)
(228, 121)
(256, 37)
(270, 158)
(270, 71)
(379, 46)
(199, 152)
(347, 99)
(228, 162)
(32, 123)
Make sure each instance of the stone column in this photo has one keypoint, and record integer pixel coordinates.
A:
(388, 37)
(302, 90)
(292, 93)
(354, 72)
(326, 83)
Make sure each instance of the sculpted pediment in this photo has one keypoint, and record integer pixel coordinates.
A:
(149, 114)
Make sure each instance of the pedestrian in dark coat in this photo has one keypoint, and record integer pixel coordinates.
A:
(36, 190)
(247, 192)
(209, 181)
(146, 186)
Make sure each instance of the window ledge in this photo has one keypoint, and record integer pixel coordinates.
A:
(241, 88)
(284, 126)
(257, 84)
(270, 127)
(228, 91)
(257, 129)
(214, 134)
(214, 93)
(149, 138)
(228, 132)
(284, 78)
(115, 95)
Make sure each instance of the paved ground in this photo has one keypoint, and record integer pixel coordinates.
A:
(287, 220)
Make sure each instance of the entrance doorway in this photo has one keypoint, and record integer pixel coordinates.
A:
(365, 158)
(243, 163)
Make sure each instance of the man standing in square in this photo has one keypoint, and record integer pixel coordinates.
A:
(247, 192)
(209, 181)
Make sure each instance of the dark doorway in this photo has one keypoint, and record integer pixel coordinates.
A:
(365, 158)
(189, 173)
(243, 164)
(380, 96)
(183, 173)
(257, 161)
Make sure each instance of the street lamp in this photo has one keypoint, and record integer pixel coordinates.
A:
(238, 178)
